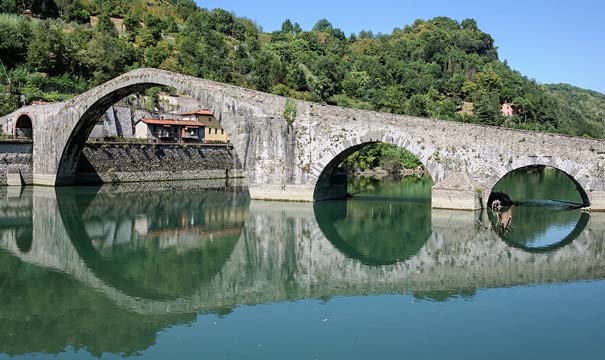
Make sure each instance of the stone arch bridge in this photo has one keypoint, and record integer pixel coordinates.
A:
(296, 161)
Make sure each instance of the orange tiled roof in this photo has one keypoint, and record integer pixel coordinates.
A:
(205, 112)
(172, 122)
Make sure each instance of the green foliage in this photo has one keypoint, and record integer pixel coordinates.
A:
(105, 25)
(16, 34)
(382, 155)
(429, 68)
(290, 111)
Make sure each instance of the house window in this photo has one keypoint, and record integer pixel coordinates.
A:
(222, 131)
(215, 131)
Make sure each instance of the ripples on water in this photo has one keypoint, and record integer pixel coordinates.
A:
(178, 270)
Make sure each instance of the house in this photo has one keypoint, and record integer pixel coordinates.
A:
(508, 109)
(169, 130)
(211, 127)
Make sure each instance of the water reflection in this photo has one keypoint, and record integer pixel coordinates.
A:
(545, 214)
(375, 232)
(154, 244)
(107, 269)
(538, 228)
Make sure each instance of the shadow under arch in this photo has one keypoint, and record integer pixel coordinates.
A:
(581, 192)
(332, 184)
(151, 272)
(376, 233)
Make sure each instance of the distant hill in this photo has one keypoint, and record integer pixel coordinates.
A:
(581, 103)
(53, 49)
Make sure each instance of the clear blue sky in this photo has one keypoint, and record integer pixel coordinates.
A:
(550, 41)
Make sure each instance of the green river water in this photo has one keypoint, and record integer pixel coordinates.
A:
(181, 270)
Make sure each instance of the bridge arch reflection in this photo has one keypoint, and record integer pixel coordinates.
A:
(163, 245)
(374, 232)
(541, 229)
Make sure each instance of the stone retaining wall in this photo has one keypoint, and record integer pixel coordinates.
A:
(16, 161)
(133, 162)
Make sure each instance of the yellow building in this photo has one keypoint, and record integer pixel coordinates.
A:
(211, 127)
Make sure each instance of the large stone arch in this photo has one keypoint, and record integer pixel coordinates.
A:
(95, 102)
(64, 127)
(580, 182)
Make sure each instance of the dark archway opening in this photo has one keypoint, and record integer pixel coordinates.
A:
(23, 128)
(538, 208)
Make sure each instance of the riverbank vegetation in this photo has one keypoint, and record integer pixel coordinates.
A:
(440, 68)
(390, 158)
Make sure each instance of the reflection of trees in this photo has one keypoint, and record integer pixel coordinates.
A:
(376, 232)
(538, 182)
(156, 244)
(409, 187)
(43, 310)
(445, 295)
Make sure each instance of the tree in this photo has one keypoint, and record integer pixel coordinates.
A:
(153, 26)
(108, 56)
(355, 83)
(131, 23)
(16, 35)
(417, 105)
(105, 25)
(46, 51)
(287, 27)
(323, 25)
(487, 109)
(75, 11)
(265, 68)
(8, 6)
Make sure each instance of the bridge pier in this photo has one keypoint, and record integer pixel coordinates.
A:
(597, 201)
(53, 180)
(456, 199)
(298, 193)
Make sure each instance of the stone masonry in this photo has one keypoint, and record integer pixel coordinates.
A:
(283, 161)
(132, 162)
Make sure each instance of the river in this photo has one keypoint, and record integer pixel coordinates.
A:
(180, 270)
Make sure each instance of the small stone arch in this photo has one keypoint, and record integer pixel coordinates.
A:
(23, 127)
(579, 187)
(325, 173)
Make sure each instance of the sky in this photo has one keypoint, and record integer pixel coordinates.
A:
(551, 41)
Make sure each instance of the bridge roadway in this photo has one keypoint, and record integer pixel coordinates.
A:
(264, 266)
(296, 161)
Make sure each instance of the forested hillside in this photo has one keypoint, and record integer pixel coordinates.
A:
(437, 68)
